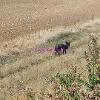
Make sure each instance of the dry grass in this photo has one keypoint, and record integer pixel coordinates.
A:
(27, 24)
(34, 70)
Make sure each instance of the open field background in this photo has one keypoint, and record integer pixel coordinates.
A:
(27, 24)
(22, 17)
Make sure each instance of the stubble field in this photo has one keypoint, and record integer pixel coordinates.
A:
(28, 24)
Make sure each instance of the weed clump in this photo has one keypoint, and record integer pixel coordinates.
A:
(70, 85)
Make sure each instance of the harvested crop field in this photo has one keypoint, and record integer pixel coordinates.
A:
(29, 24)
(22, 17)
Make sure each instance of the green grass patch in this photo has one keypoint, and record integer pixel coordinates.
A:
(68, 36)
